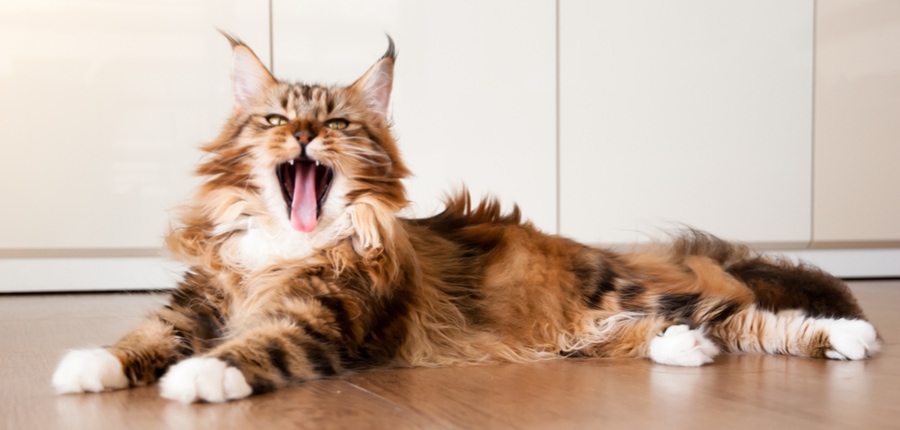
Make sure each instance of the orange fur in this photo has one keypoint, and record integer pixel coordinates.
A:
(469, 285)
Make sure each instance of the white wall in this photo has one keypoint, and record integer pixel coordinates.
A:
(103, 106)
(474, 99)
(857, 181)
(696, 111)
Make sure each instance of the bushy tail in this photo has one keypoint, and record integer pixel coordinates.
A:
(777, 283)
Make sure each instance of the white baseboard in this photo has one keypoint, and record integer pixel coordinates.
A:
(25, 275)
(153, 273)
(851, 263)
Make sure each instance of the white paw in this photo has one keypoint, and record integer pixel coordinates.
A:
(851, 340)
(203, 379)
(681, 346)
(90, 370)
(367, 225)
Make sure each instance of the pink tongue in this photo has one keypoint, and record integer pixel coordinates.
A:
(303, 208)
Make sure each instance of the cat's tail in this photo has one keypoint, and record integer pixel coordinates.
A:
(777, 283)
(795, 308)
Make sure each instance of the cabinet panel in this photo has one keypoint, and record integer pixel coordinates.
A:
(857, 123)
(693, 112)
(474, 89)
(103, 105)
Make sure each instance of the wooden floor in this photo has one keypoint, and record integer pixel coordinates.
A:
(736, 392)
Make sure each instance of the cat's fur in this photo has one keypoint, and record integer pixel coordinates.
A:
(276, 295)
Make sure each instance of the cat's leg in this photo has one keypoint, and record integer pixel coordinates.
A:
(136, 359)
(189, 324)
(645, 336)
(271, 355)
(795, 333)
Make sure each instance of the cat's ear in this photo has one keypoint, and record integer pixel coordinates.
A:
(375, 86)
(249, 76)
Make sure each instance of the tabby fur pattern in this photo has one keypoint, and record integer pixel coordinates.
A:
(300, 268)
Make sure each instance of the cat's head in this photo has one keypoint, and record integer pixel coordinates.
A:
(306, 160)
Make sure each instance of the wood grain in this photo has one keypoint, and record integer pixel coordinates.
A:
(737, 392)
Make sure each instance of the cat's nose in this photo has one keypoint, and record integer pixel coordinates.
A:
(303, 137)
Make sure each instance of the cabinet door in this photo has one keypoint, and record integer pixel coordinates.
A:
(474, 88)
(102, 106)
(857, 179)
(694, 112)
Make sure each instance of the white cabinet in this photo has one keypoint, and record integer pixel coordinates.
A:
(474, 90)
(695, 112)
(857, 124)
(102, 106)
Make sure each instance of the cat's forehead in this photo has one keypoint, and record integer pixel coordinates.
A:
(310, 100)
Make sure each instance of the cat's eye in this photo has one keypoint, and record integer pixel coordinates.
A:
(337, 124)
(276, 119)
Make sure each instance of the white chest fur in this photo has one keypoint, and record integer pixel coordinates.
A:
(260, 245)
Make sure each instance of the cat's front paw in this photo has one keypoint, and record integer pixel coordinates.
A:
(89, 370)
(203, 379)
(367, 240)
(851, 340)
(681, 346)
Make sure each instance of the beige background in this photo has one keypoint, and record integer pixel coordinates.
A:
(857, 129)
(768, 122)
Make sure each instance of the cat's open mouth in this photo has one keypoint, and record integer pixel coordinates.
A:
(304, 185)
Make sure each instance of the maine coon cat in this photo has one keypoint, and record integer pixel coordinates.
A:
(300, 268)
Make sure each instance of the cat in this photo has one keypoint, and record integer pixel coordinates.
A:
(300, 268)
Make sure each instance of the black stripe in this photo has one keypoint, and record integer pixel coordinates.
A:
(604, 285)
(721, 312)
(387, 331)
(325, 340)
(313, 333)
(258, 384)
(329, 102)
(184, 343)
(181, 298)
(677, 306)
(318, 358)
(306, 90)
(279, 360)
(161, 370)
(336, 306)
(229, 359)
(628, 294)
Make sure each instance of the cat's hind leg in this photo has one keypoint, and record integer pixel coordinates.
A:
(795, 333)
(646, 336)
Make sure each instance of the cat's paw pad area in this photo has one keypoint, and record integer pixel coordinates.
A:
(681, 346)
(204, 379)
(89, 370)
(852, 340)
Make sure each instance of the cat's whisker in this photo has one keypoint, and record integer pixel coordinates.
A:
(326, 275)
(368, 159)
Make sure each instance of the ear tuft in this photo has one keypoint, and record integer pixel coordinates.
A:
(391, 51)
(234, 41)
